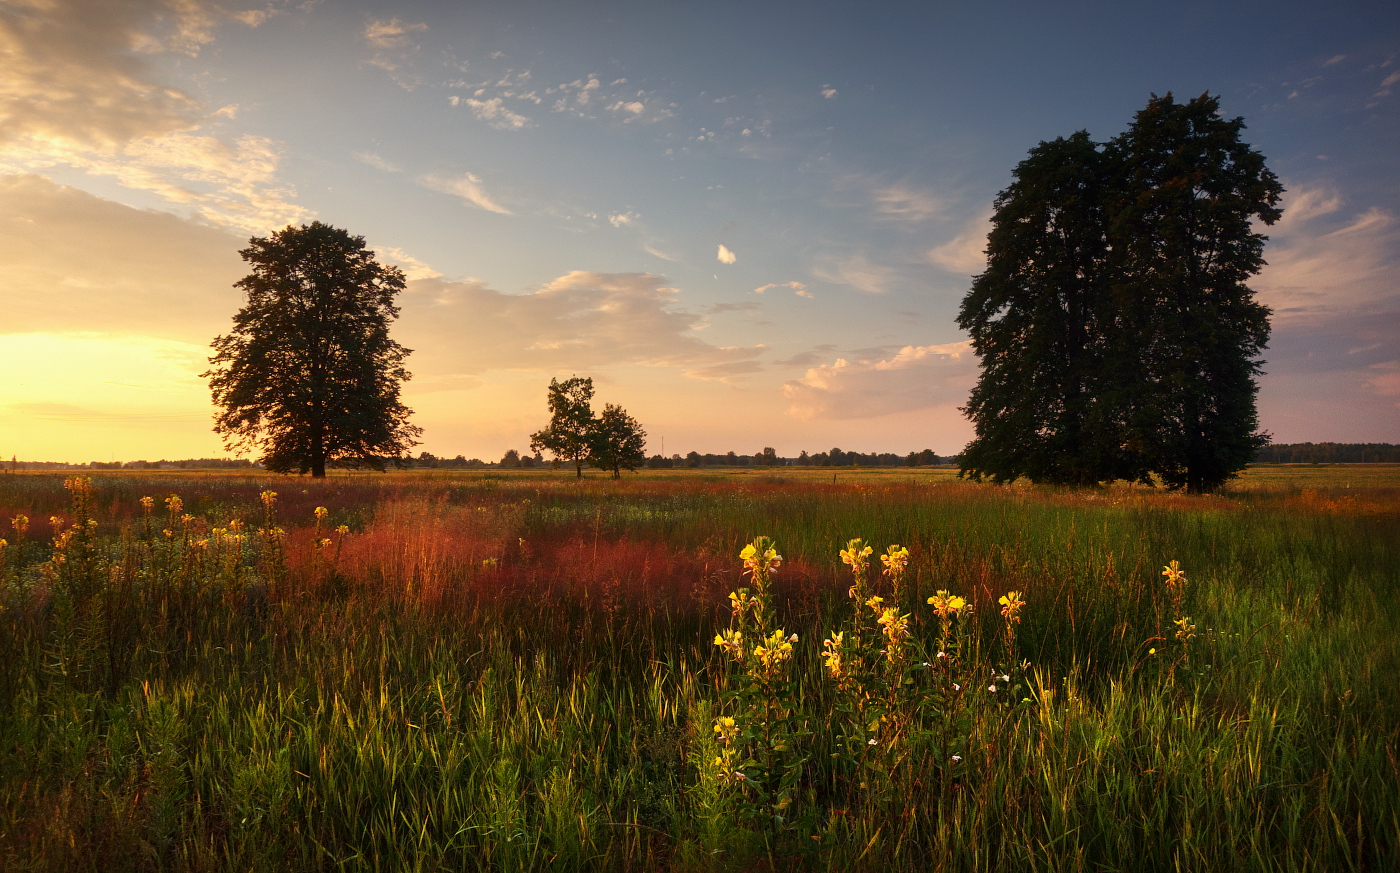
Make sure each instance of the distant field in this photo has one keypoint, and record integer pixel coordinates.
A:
(509, 670)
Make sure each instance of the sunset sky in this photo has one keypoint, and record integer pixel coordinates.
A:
(751, 223)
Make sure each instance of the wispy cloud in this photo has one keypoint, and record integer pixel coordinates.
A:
(829, 92)
(373, 160)
(75, 262)
(856, 271)
(1317, 268)
(493, 112)
(76, 90)
(965, 253)
(412, 267)
(233, 185)
(392, 46)
(1386, 84)
(797, 288)
(900, 203)
(917, 377)
(468, 187)
(70, 73)
(725, 255)
(580, 321)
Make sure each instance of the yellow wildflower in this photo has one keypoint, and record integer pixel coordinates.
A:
(895, 560)
(1174, 573)
(1011, 604)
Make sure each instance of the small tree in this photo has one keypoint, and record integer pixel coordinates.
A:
(569, 435)
(619, 443)
(309, 374)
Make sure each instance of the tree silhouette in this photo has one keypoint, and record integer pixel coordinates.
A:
(1183, 248)
(1117, 336)
(568, 436)
(618, 443)
(309, 375)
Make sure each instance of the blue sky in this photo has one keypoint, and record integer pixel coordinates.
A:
(752, 224)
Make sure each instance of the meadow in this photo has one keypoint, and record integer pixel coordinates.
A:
(514, 670)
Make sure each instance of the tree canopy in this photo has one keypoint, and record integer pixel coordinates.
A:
(569, 434)
(1117, 336)
(613, 441)
(619, 443)
(309, 374)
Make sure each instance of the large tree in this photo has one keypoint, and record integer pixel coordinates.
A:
(618, 443)
(1038, 323)
(569, 434)
(309, 375)
(1184, 245)
(1117, 335)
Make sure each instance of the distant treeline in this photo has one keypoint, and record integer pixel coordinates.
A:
(187, 464)
(1284, 453)
(1329, 453)
(767, 457)
(770, 458)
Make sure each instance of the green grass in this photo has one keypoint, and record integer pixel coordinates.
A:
(513, 670)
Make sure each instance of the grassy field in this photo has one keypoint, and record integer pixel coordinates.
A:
(516, 670)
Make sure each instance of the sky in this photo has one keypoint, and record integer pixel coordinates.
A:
(751, 223)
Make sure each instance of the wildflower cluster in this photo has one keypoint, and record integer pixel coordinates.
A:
(756, 739)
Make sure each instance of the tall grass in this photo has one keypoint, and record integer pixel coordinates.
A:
(518, 672)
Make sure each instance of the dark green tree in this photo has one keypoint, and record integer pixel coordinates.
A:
(569, 434)
(1184, 245)
(1117, 335)
(1038, 322)
(618, 442)
(309, 375)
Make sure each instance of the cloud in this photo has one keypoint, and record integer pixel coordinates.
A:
(412, 267)
(829, 92)
(966, 252)
(1335, 59)
(725, 255)
(493, 112)
(728, 372)
(393, 46)
(1386, 83)
(468, 187)
(77, 90)
(578, 322)
(857, 272)
(917, 377)
(1386, 382)
(232, 185)
(634, 107)
(1317, 269)
(896, 202)
(797, 288)
(623, 219)
(373, 160)
(76, 262)
(808, 358)
(748, 306)
(656, 252)
(78, 72)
